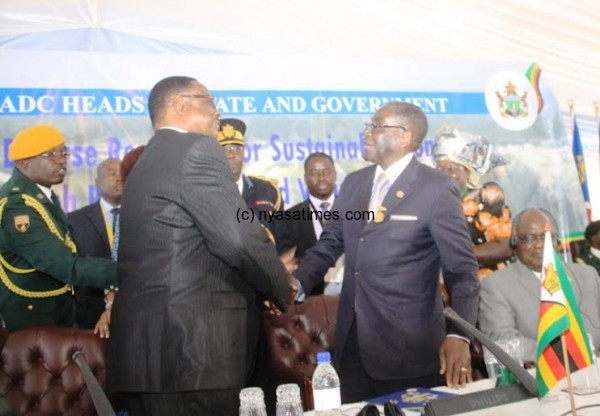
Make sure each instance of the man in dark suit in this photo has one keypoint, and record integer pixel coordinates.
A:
(262, 195)
(391, 332)
(189, 270)
(306, 223)
(94, 229)
(40, 264)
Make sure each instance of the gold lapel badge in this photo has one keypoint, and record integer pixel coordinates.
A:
(22, 223)
(400, 194)
(379, 215)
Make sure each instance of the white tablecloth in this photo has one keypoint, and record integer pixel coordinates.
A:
(549, 407)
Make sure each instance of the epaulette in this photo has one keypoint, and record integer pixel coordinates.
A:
(275, 184)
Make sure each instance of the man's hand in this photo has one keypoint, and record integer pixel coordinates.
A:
(455, 362)
(289, 260)
(102, 326)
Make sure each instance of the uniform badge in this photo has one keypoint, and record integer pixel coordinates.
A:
(22, 223)
(379, 215)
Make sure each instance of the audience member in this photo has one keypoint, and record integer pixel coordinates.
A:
(510, 298)
(391, 333)
(591, 255)
(261, 194)
(465, 157)
(94, 230)
(40, 264)
(189, 271)
(307, 221)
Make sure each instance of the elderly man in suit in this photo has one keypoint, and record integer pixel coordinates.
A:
(189, 271)
(510, 298)
(94, 229)
(40, 263)
(308, 217)
(391, 332)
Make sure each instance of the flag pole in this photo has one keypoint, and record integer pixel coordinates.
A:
(568, 373)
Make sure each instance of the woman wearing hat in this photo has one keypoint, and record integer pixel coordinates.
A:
(465, 158)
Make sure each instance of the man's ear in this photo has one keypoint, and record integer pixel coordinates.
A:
(179, 104)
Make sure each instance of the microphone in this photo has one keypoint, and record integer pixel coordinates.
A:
(520, 373)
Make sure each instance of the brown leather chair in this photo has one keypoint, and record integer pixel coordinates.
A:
(39, 377)
(295, 338)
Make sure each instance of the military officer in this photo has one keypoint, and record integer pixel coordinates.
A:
(261, 194)
(39, 264)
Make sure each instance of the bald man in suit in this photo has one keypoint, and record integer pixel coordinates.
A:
(510, 298)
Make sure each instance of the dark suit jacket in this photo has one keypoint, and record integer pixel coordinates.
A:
(391, 278)
(91, 239)
(302, 232)
(185, 317)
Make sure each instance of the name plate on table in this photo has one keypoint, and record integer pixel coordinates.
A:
(501, 401)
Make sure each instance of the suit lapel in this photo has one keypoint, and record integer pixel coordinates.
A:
(403, 187)
(529, 282)
(96, 217)
(364, 193)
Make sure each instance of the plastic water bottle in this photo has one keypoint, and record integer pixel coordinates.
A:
(252, 402)
(326, 387)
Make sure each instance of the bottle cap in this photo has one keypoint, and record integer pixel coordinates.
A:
(323, 357)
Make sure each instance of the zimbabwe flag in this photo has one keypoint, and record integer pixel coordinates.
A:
(559, 314)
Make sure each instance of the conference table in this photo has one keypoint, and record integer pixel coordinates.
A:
(557, 403)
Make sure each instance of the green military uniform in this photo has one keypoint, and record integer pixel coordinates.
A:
(38, 259)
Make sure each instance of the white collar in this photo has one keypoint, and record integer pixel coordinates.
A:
(395, 169)
(316, 202)
(172, 128)
(595, 252)
(47, 191)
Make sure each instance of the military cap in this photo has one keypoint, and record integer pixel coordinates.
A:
(231, 131)
(34, 141)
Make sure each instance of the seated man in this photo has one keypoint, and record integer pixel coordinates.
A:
(510, 298)
(591, 255)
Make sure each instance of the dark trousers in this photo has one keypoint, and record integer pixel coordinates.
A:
(197, 403)
(357, 385)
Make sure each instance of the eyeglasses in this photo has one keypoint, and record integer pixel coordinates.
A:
(55, 154)
(530, 239)
(212, 98)
(372, 126)
(234, 149)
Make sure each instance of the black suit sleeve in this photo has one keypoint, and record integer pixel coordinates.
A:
(241, 244)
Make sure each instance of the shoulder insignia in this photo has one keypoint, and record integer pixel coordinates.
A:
(275, 184)
(22, 223)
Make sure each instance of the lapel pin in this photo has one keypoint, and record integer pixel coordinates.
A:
(400, 194)
(379, 215)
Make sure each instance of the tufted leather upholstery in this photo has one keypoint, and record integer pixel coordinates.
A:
(38, 376)
(295, 338)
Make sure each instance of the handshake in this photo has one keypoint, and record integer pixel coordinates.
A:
(290, 263)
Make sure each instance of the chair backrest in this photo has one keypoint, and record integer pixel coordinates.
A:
(295, 338)
(38, 375)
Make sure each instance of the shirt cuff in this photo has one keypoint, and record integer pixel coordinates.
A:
(467, 340)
